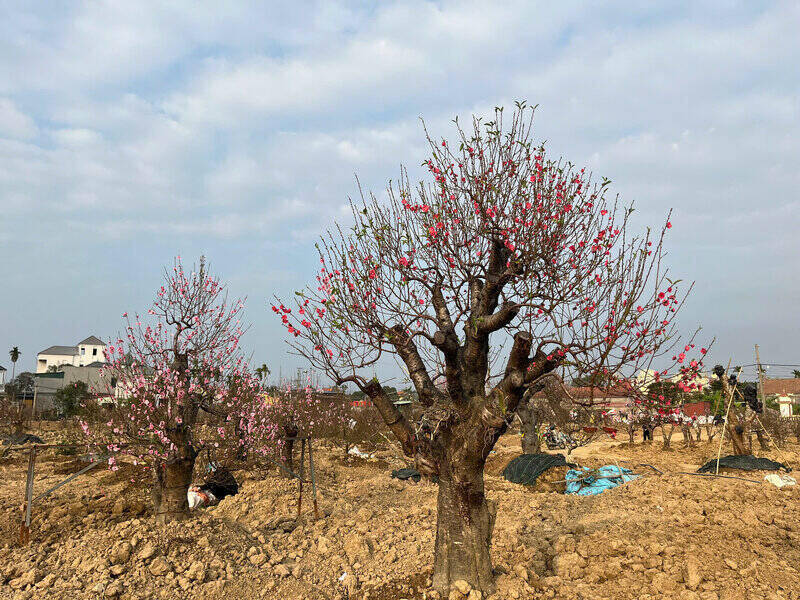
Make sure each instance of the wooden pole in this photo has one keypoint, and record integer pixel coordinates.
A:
(25, 528)
(761, 396)
(760, 379)
(727, 412)
(300, 479)
(313, 477)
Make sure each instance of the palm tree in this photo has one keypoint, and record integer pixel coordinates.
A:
(14, 354)
(262, 371)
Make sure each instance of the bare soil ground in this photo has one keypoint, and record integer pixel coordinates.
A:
(660, 536)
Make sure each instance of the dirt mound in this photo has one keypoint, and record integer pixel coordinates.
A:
(669, 536)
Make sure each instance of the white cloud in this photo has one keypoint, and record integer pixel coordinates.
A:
(13, 123)
(142, 126)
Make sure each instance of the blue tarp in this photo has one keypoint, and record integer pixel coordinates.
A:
(588, 482)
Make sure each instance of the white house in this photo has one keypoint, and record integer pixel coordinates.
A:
(91, 350)
(2, 377)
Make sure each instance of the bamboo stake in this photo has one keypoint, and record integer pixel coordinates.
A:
(727, 412)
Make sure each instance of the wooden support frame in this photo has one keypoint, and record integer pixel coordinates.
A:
(306, 439)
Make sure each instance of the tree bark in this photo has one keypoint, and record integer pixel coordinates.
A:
(463, 535)
(290, 430)
(736, 433)
(171, 485)
(631, 433)
(762, 441)
(688, 438)
(666, 435)
(529, 425)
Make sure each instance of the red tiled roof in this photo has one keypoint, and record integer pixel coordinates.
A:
(598, 394)
(782, 386)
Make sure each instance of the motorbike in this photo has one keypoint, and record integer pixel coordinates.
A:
(556, 440)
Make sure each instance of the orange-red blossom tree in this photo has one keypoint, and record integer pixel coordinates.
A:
(502, 246)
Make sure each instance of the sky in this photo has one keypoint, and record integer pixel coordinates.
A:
(132, 132)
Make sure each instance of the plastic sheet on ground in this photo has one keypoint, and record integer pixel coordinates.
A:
(356, 451)
(526, 468)
(588, 482)
(780, 481)
(744, 462)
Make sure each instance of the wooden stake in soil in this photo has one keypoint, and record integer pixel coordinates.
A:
(25, 528)
(313, 478)
(727, 412)
(300, 478)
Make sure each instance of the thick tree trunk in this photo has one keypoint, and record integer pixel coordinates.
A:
(463, 535)
(241, 449)
(686, 431)
(290, 430)
(529, 425)
(736, 433)
(762, 441)
(171, 485)
(631, 433)
(666, 435)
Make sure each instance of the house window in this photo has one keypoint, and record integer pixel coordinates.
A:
(83, 351)
(94, 351)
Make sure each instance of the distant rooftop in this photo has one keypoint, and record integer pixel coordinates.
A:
(782, 386)
(73, 350)
(2, 368)
(61, 350)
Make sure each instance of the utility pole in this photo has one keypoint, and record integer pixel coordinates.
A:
(760, 380)
(762, 398)
(35, 392)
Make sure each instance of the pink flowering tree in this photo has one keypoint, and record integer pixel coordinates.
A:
(182, 384)
(503, 268)
(301, 411)
(660, 404)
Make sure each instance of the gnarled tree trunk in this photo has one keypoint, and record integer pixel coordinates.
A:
(736, 433)
(290, 431)
(170, 488)
(464, 525)
(529, 425)
(463, 536)
(686, 431)
(666, 435)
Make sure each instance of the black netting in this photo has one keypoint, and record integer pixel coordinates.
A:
(745, 462)
(525, 469)
(406, 474)
(18, 439)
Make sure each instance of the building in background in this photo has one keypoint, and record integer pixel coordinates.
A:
(2, 377)
(91, 350)
(786, 392)
(101, 386)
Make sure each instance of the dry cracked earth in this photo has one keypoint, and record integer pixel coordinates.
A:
(660, 536)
